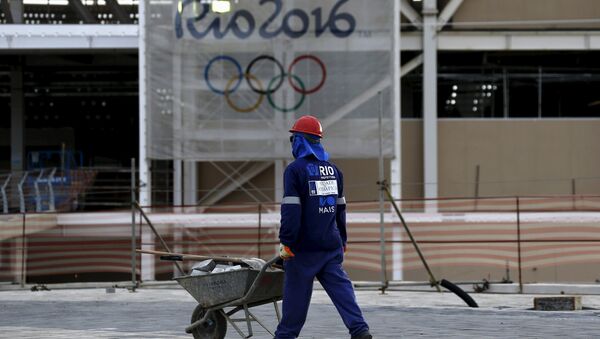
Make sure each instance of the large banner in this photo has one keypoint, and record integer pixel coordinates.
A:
(228, 86)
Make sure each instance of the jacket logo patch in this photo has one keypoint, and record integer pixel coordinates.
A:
(326, 170)
(327, 204)
(312, 170)
(322, 187)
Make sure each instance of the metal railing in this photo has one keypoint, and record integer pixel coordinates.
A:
(43, 190)
(525, 239)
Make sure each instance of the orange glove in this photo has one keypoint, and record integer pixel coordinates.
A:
(285, 252)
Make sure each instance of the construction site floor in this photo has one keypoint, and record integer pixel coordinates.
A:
(164, 313)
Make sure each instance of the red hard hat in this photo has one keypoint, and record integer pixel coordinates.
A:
(309, 125)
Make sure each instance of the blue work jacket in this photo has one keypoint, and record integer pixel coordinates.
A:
(313, 209)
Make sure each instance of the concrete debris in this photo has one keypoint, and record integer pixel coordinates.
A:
(204, 266)
(254, 263)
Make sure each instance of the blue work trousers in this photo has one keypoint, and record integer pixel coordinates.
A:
(300, 271)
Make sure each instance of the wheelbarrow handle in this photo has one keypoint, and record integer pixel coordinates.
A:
(272, 261)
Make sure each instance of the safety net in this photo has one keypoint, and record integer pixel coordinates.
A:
(225, 80)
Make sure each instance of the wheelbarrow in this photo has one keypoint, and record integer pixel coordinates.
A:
(239, 290)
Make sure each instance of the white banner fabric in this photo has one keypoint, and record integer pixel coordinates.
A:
(228, 86)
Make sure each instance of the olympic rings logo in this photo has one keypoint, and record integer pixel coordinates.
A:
(257, 86)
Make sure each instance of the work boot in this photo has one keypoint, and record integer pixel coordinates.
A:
(363, 335)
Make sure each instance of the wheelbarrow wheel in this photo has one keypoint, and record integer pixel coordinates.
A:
(214, 327)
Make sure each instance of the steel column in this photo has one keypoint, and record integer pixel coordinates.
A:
(396, 163)
(145, 184)
(430, 98)
(17, 118)
(190, 183)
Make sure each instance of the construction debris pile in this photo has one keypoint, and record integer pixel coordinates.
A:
(210, 266)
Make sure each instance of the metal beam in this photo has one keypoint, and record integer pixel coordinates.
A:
(519, 41)
(233, 172)
(126, 37)
(367, 95)
(230, 177)
(82, 11)
(68, 37)
(410, 13)
(118, 11)
(243, 178)
(448, 12)
(411, 65)
(249, 183)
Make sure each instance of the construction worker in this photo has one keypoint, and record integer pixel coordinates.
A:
(313, 234)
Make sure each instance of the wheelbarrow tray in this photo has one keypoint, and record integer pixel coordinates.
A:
(223, 287)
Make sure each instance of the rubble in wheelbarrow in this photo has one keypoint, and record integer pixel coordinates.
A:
(254, 263)
(210, 266)
(226, 268)
(205, 266)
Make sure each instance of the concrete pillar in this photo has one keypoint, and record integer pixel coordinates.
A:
(430, 152)
(17, 119)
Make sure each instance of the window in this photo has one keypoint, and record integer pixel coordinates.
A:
(510, 85)
(469, 96)
(571, 95)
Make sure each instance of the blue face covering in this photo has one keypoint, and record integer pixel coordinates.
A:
(302, 147)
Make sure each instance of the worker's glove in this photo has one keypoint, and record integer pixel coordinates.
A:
(285, 252)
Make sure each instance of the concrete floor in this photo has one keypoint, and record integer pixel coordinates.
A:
(164, 313)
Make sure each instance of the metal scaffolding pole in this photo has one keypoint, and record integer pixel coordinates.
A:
(396, 163)
(133, 234)
(384, 280)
